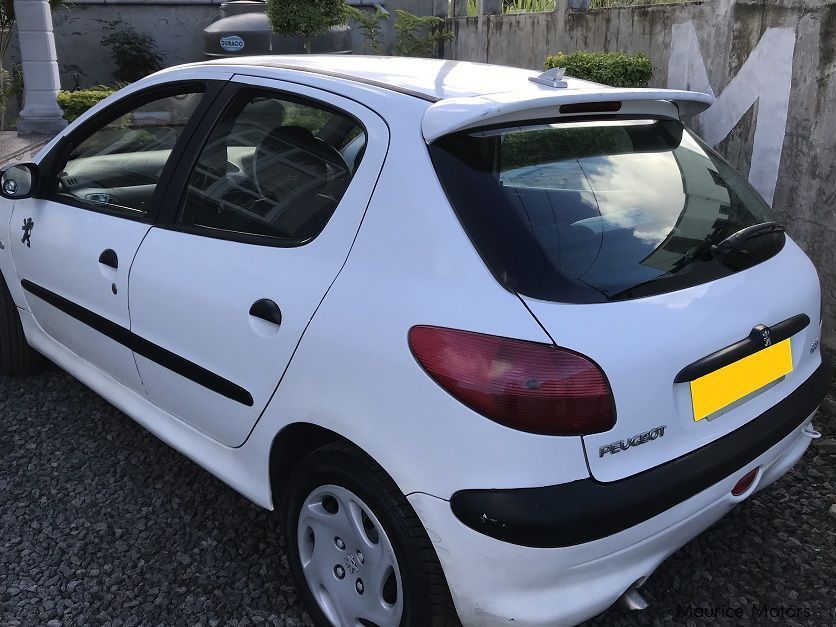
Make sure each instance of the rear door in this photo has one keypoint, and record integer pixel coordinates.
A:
(275, 188)
(612, 232)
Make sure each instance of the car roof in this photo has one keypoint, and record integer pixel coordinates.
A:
(430, 79)
(463, 94)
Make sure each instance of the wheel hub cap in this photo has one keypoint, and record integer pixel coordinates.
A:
(348, 560)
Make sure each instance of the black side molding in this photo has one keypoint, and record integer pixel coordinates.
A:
(751, 345)
(586, 510)
(141, 346)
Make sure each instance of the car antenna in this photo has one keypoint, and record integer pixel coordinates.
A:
(551, 78)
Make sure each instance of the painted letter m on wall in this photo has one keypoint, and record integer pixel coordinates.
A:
(765, 78)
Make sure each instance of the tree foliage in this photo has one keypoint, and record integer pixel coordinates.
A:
(8, 20)
(305, 18)
(616, 69)
(371, 27)
(419, 36)
(135, 55)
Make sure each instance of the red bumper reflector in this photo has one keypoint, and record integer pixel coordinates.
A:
(745, 482)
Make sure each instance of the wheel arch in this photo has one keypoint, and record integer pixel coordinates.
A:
(290, 446)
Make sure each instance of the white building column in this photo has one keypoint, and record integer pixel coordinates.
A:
(41, 113)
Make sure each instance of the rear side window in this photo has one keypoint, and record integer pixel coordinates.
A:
(274, 167)
(597, 211)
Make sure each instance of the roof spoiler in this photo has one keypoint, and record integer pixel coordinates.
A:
(455, 114)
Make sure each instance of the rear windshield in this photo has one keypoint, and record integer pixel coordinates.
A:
(596, 211)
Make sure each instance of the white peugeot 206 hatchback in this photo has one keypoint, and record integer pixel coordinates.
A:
(494, 344)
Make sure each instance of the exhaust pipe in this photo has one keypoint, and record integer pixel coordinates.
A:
(632, 600)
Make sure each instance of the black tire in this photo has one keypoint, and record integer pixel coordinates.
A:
(16, 356)
(427, 601)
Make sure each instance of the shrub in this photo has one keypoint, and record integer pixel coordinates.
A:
(305, 18)
(609, 4)
(528, 6)
(419, 36)
(371, 27)
(517, 6)
(135, 55)
(74, 103)
(16, 87)
(616, 69)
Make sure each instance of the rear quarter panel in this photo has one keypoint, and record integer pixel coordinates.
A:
(353, 372)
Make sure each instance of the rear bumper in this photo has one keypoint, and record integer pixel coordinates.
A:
(586, 510)
(494, 582)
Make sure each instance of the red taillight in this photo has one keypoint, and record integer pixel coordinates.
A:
(524, 385)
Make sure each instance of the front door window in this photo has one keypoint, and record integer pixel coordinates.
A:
(117, 167)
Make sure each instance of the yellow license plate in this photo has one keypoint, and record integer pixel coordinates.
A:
(716, 390)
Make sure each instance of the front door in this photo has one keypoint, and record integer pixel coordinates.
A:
(76, 241)
(270, 208)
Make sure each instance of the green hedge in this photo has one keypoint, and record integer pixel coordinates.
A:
(617, 69)
(74, 103)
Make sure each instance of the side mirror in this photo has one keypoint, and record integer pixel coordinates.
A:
(19, 181)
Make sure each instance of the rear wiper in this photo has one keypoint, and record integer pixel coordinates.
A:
(734, 242)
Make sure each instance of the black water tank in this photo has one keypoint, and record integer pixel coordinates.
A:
(245, 31)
